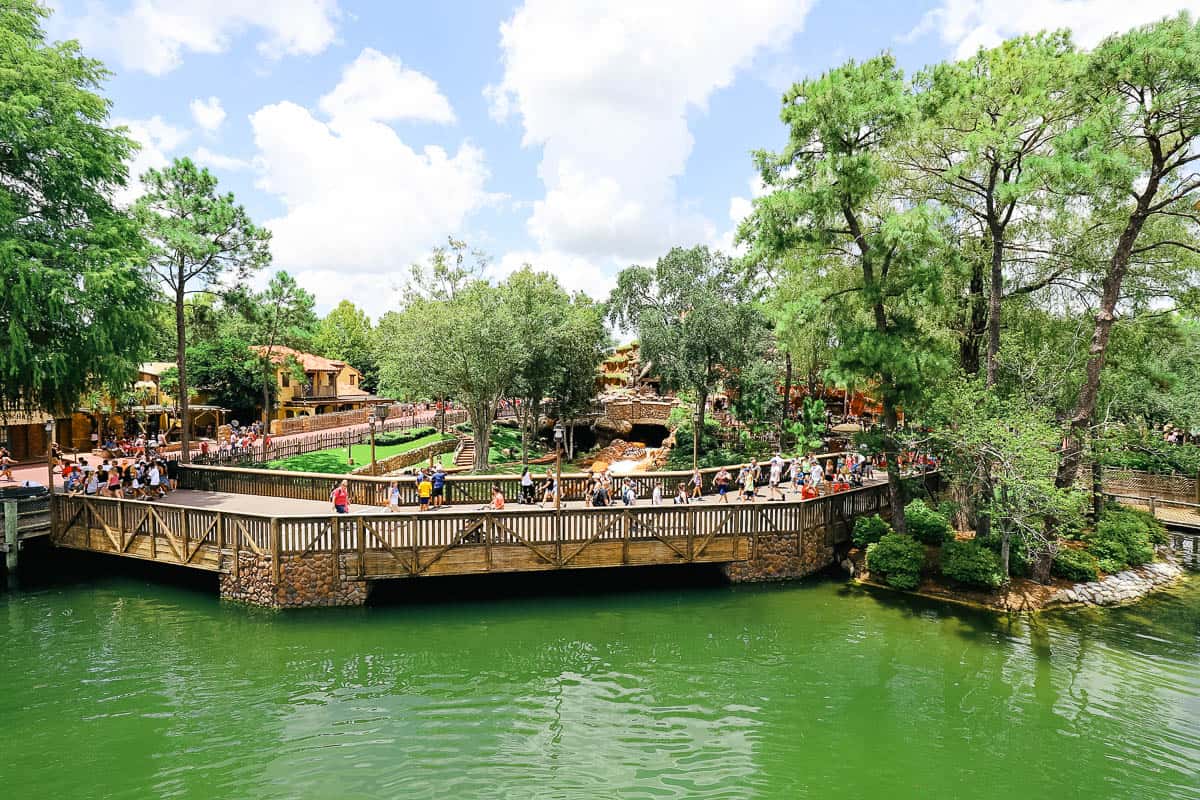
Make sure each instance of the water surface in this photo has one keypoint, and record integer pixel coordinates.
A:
(127, 687)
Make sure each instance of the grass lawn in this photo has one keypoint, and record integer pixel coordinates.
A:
(333, 461)
(506, 438)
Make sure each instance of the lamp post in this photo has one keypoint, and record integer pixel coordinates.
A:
(696, 440)
(377, 416)
(559, 434)
(50, 455)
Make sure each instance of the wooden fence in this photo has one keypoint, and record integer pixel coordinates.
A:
(311, 443)
(1182, 488)
(366, 490)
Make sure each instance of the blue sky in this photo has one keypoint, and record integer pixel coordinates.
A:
(576, 135)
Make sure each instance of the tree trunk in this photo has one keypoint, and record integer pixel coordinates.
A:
(995, 292)
(266, 412)
(1114, 277)
(1005, 535)
(891, 452)
(185, 422)
(481, 432)
(787, 395)
(975, 324)
(525, 434)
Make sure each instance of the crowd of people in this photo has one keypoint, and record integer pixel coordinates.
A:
(145, 477)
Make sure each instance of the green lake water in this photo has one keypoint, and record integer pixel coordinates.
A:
(131, 687)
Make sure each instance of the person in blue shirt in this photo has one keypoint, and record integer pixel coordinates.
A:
(439, 486)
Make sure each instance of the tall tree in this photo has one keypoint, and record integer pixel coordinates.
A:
(694, 319)
(283, 315)
(832, 201)
(198, 238)
(75, 297)
(986, 122)
(1135, 155)
(539, 308)
(579, 352)
(453, 343)
(347, 335)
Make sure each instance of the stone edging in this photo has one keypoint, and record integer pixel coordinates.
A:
(1123, 587)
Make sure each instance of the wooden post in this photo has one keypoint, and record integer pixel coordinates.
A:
(362, 547)
(625, 534)
(220, 525)
(691, 533)
(276, 551)
(488, 529)
(10, 541)
(183, 523)
(120, 523)
(1153, 506)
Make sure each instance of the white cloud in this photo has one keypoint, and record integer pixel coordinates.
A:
(605, 91)
(208, 114)
(153, 35)
(376, 87)
(207, 158)
(157, 139)
(575, 273)
(968, 25)
(358, 199)
(740, 207)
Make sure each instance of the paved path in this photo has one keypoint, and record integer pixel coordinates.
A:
(255, 504)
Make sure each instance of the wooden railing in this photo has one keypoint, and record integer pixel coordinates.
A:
(1183, 488)
(450, 542)
(366, 490)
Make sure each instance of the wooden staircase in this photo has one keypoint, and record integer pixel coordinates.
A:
(466, 452)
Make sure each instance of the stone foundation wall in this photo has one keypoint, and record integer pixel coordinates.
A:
(310, 582)
(777, 559)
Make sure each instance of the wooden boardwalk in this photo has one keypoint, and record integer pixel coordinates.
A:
(208, 530)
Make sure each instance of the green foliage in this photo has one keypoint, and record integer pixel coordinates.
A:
(1124, 538)
(228, 372)
(75, 298)
(1133, 447)
(1019, 562)
(400, 437)
(346, 334)
(695, 321)
(926, 525)
(1075, 565)
(898, 558)
(868, 530)
(809, 426)
(333, 460)
(971, 563)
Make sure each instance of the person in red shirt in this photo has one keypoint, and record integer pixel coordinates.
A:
(341, 498)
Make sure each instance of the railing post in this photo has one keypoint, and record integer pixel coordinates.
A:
(276, 550)
(1153, 506)
(120, 524)
(183, 523)
(361, 533)
(220, 525)
(691, 532)
(626, 533)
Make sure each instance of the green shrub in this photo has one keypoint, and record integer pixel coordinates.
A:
(400, 437)
(1075, 565)
(1123, 538)
(1018, 552)
(868, 530)
(926, 525)
(971, 563)
(898, 558)
(947, 509)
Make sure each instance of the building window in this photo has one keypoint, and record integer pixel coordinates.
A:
(352, 377)
(284, 381)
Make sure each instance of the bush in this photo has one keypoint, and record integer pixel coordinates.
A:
(1018, 552)
(868, 530)
(400, 437)
(1123, 538)
(926, 525)
(898, 558)
(971, 563)
(1075, 565)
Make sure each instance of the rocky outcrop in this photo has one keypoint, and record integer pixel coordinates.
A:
(318, 579)
(1123, 587)
(776, 559)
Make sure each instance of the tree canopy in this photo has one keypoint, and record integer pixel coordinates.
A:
(74, 292)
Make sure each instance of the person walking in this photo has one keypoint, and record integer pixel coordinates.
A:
(721, 481)
(697, 485)
(526, 487)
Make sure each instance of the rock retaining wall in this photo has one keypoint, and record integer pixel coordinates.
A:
(777, 559)
(1123, 587)
(309, 582)
(409, 458)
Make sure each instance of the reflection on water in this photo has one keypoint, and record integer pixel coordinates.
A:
(126, 688)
